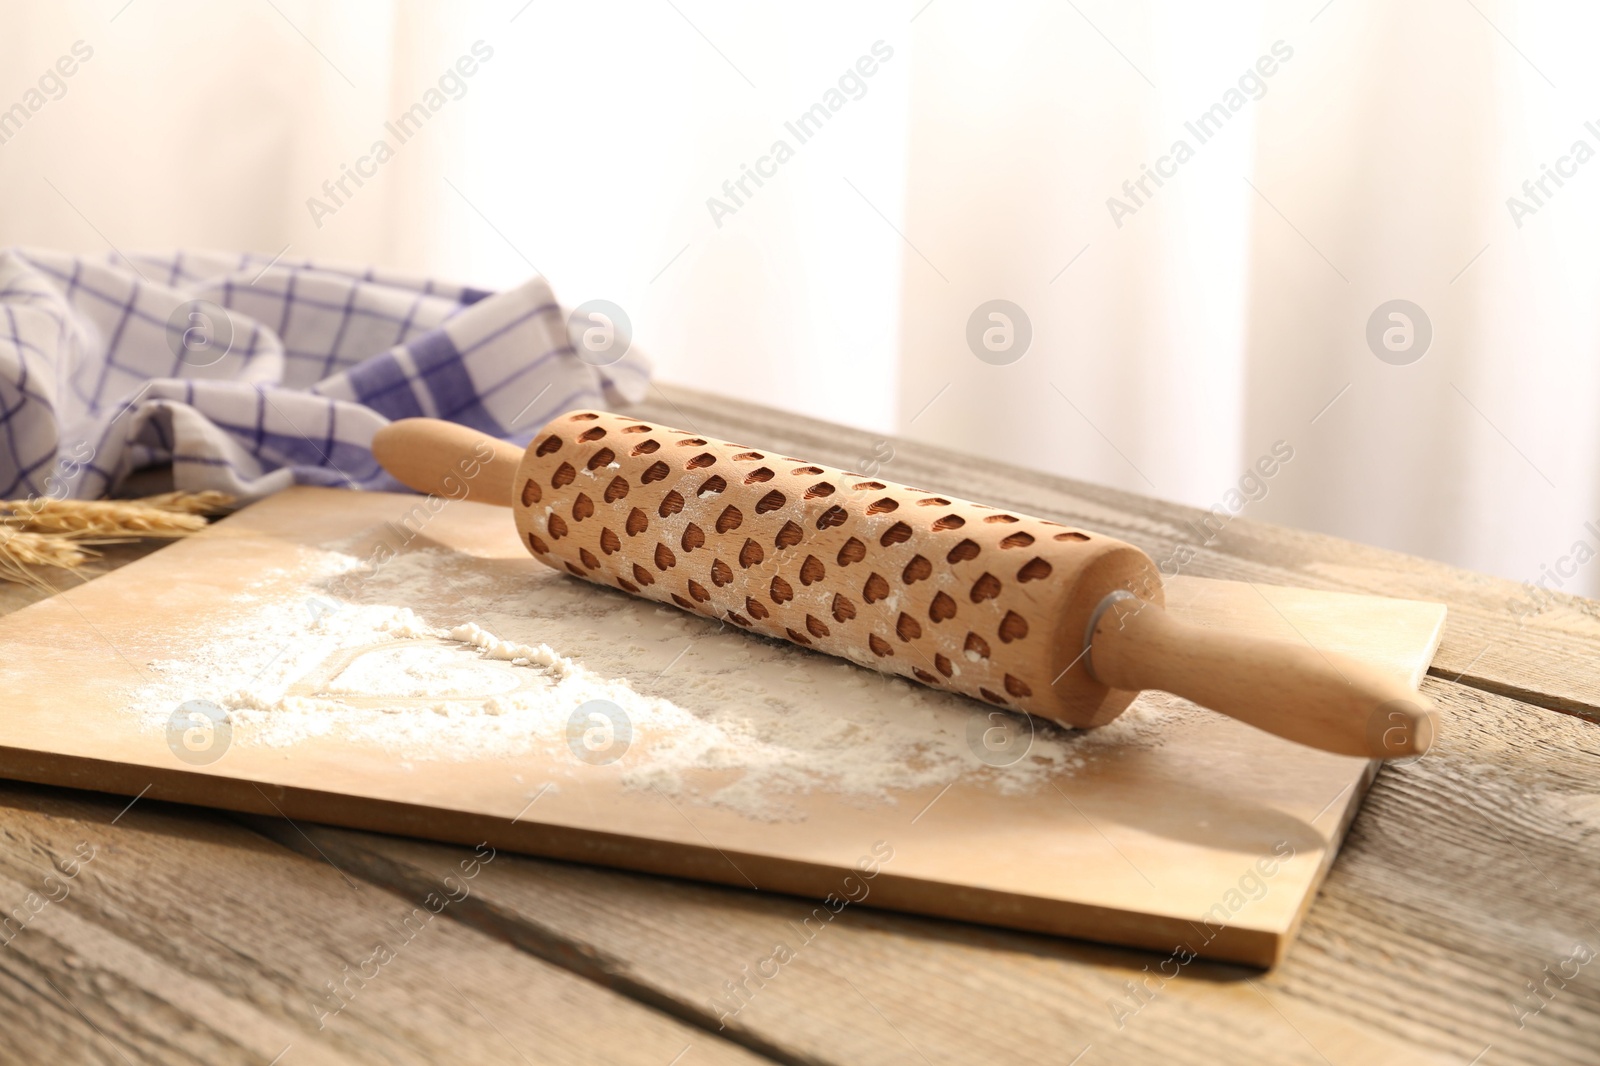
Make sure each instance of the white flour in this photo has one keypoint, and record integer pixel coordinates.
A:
(444, 656)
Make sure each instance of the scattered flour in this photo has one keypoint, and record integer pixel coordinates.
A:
(439, 655)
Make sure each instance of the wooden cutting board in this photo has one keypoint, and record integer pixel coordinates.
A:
(1196, 835)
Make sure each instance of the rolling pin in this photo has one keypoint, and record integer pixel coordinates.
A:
(1022, 613)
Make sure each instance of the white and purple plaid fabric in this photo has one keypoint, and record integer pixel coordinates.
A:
(98, 375)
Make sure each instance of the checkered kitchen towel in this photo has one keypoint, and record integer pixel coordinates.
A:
(249, 375)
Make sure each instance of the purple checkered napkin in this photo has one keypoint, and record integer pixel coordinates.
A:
(249, 374)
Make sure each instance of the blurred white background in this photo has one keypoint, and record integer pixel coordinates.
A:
(1227, 312)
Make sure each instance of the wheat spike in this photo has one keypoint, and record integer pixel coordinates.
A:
(22, 552)
(100, 518)
(44, 532)
(206, 502)
(171, 514)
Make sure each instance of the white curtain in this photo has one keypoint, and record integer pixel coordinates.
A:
(1231, 308)
(1227, 312)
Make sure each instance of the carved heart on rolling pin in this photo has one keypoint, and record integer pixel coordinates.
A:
(1019, 612)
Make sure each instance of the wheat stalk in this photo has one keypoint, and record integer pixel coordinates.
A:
(207, 502)
(21, 552)
(45, 532)
(172, 514)
(101, 518)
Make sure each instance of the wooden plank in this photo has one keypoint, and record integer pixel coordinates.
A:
(1498, 637)
(1466, 875)
(169, 935)
(1129, 843)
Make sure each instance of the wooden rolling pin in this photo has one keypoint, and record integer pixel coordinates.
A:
(1019, 612)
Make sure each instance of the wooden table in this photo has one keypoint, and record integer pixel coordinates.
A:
(1469, 877)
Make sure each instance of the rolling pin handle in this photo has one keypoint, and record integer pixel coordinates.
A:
(448, 459)
(1320, 699)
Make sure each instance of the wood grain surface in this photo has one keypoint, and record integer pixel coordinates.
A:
(1466, 876)
(1467, 873)
(174, 936)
